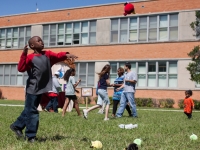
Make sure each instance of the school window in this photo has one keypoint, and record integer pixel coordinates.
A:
(155, 74)
(81, 33)
(14, 37)
(197, 85)
(10, 76)
(85, 72)
(145, 29)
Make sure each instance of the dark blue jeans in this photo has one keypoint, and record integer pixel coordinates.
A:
(53, 103)
(29, 117)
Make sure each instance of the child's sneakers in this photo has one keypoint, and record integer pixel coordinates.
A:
(85, 113)
(18, 132)
(46, 110)
(101, 111)
(106, 119)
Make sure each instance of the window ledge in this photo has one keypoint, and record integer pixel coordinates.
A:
(109, 44)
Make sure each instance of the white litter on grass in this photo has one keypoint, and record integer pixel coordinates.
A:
(193, 137)
(128, 126)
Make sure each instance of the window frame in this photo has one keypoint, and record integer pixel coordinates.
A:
(77, 76)
(158, 28)
(156, 73)
(24, 37)
(15, 75)
(72, 33)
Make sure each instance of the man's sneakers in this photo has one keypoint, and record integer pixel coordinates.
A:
(85, 113)
(18, 132)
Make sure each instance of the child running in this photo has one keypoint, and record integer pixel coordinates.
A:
(38, 66)
(70, 90)
(188, 104)
(102, 92)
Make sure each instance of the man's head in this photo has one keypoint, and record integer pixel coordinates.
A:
(57, 74)
(36, 43)
(127, 66)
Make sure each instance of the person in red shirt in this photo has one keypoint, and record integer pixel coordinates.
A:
(38, 66)
(188, 104)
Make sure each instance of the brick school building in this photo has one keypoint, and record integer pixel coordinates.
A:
(155, 40)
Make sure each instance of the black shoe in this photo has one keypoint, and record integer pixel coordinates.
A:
(18, 132)
(31, 140)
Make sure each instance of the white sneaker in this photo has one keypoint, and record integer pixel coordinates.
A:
(106, 119)
(85, 113)
(46, 110)
(101, 111)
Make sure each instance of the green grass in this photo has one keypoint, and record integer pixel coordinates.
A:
(14, 102)
(158, 131)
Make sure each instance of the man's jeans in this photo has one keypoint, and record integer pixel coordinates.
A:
(53, 103)
(127, 96)
(29, 117)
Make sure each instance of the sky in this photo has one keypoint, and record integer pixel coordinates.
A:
(10, 7)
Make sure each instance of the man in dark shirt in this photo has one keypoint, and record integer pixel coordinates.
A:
(38, 66)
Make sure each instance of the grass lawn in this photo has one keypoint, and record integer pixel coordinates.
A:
(158, 131)
(12, 102)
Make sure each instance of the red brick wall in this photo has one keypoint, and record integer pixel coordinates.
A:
(98, 11)
(13, 93)
(117, 52)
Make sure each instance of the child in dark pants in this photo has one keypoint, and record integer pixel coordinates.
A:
(188, 104)
(38, 66)
(117, 94)
(53, 94)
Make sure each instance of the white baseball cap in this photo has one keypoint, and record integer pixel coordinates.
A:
(57, 73)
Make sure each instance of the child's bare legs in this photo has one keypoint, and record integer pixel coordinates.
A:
(101, 111)
(85, 111)
(76, 105)
(93, 107)
(65, 106)
(107, 111)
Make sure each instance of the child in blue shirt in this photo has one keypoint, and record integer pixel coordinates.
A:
(117, 94)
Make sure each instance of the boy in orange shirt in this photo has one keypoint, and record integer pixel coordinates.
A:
(188, 104)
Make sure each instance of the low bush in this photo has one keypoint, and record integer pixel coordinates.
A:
(180, 103)
(144, 102)
(166, 103)
(196, 104)
(1, 95)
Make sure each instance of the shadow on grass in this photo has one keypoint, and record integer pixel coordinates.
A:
(58, 137)
(54, 138)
